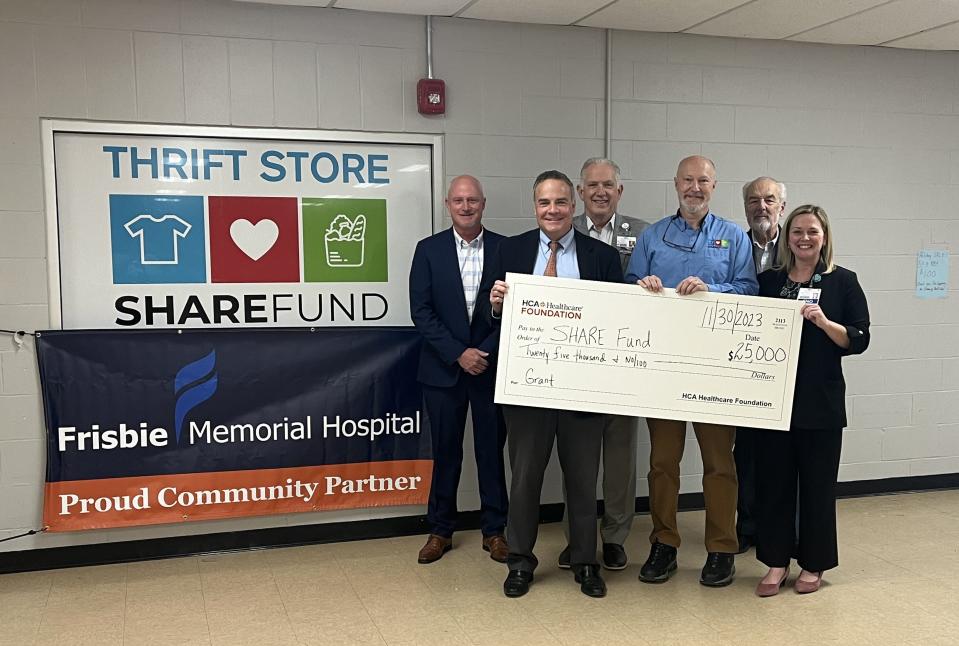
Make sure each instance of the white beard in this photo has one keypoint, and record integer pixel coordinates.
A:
(761, 227)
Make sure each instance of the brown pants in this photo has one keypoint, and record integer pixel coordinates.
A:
(667, 441)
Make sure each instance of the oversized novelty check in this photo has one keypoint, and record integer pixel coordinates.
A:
(610, 348)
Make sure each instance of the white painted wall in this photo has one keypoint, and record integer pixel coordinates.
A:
(871, 134)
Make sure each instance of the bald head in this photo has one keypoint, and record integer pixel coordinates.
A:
(465, 180)
(698, 163)
(695, 182)
(465, 203)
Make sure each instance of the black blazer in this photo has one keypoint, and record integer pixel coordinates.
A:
(820, 397)
(438, 308)
(597, 260)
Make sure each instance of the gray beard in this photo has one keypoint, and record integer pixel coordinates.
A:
(761, 227)
(697, 210)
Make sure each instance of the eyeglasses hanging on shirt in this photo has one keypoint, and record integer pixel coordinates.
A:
(679, 245)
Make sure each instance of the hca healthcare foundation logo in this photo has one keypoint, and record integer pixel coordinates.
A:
(157, 239)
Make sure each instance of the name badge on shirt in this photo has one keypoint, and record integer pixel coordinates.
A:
(809, 294)
(719, 244)
(626, 242)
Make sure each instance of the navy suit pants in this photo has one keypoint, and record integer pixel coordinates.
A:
(446, 408)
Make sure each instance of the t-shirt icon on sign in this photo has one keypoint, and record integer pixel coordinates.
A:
(346, 241)
(159, 237)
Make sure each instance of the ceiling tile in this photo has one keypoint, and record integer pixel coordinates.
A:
(774, 19)
(418, 7)
(913, 24)
(294, 3)
(657, 15)
(885, 22)
(945, 37)
(549, 12)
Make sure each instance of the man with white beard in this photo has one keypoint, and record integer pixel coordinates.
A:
(765, 202)
(764, 199)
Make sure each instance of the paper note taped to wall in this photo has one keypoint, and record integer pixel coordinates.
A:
(932, 273)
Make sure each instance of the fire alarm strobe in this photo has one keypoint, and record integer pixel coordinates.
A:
(431, 96)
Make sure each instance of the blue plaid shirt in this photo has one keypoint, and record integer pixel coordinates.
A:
(470, 255)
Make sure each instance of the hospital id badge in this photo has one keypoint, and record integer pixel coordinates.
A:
(809, 295)
(626, 242)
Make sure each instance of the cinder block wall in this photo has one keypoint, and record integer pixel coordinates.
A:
(871, 134)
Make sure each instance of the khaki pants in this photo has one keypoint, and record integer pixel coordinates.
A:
(667, 440)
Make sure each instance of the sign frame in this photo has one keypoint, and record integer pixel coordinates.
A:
(50, 127)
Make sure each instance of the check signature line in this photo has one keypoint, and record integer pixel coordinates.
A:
(710, 374)
(706, 365)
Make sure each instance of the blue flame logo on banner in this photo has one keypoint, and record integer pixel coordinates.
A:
(192, 375)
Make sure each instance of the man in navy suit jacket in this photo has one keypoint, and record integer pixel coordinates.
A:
(553, 249)
(457, 367)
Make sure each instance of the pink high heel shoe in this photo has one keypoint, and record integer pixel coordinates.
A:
(806, 587)
(771, 589)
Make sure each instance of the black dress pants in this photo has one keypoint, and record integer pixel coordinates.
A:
(808, 459)
(745, 454)
(579, 440)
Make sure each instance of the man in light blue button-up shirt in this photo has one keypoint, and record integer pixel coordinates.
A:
(693, 251)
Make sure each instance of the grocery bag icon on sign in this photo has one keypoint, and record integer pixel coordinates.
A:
(346, 241)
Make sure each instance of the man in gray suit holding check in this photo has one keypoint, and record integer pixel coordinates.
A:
(600, 188)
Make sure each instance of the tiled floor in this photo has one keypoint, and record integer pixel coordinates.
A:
(898, 583)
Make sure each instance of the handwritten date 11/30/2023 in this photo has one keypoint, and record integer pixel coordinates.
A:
(718, 316)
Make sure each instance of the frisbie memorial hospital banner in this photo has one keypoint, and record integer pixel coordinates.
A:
(153, 426)
(166, 244)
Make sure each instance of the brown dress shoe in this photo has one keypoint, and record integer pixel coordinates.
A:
(435, 548)
(497, 547)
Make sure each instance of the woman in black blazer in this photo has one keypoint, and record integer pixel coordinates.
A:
(836, 324)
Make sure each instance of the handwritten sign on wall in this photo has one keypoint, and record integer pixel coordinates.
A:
(932, 273)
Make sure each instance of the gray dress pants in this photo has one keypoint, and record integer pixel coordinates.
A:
(619, 480)
(530, 433)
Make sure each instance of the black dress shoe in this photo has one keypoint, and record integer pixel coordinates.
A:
(660, 565)
(517, 583)
(614, 556)
(746, 541)
(589, 580)
(719, 569)
(563, 560)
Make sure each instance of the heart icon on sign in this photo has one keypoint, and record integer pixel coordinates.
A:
(254, 239)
